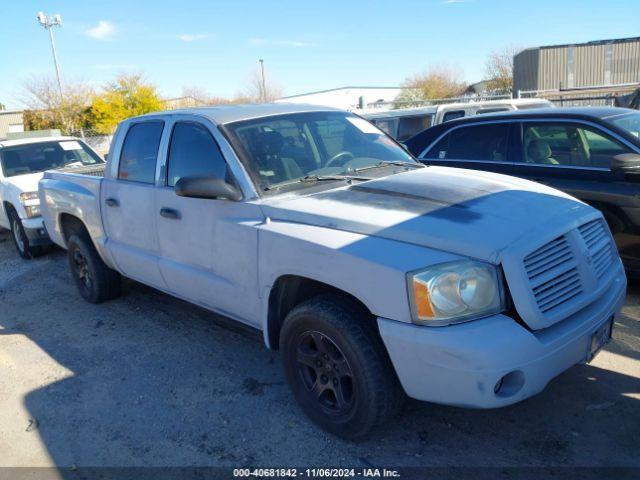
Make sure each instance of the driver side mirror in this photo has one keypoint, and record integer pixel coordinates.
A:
(204, 186)
(626, 162)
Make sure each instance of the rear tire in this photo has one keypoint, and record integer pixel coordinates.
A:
(20, 239)
(337, 366)
(96, 282)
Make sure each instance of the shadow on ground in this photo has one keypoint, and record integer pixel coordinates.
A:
(158, 382)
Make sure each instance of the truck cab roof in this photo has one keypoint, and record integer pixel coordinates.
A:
(234, 113)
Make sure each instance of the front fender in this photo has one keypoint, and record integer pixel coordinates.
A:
(370, 268)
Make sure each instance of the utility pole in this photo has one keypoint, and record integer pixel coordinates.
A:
(48, 22)
(264, 86)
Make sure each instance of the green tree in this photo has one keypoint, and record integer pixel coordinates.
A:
(127, 96)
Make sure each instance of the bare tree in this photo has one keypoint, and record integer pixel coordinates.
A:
(196, 92)
(48, 110)
(255, 91)
(437, 82)
(499, 70)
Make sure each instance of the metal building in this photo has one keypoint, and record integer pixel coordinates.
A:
(11, 121)
(603, 62)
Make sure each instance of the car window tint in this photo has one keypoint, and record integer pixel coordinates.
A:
(440, 149)
(487, 142)
(409, 126)
(193, 151)
(568, 144)
(452, 115)
(140, 152)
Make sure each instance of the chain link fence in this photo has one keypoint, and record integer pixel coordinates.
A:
(98, 141)
(596, 96)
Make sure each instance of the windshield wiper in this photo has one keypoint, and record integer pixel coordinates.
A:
(385, 163)
(312, 179)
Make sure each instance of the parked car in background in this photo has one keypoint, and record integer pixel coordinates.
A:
(365, 268)
(22, 163)
(630, 100)
(403, 123)
(591, 153)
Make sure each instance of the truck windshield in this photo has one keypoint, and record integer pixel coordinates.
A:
(41, 156)
(629, 122)
(283, 148)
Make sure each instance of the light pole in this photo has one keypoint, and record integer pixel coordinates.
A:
(48, 22)
(264, 87)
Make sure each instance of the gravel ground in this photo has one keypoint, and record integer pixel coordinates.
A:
(148, 380)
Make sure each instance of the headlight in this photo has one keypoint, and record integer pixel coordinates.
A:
(31, 203)
(455, 292)
(29, 198)
(32, 211)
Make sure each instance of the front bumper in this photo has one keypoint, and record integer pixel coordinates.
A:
(462, 364)
(36, 232)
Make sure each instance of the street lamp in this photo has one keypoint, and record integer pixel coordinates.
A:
(48, 22)
(264, 86)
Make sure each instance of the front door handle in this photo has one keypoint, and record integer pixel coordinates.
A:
(170, 213)
(112, 202)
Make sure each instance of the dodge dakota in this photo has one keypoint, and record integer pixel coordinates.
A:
(375, 276)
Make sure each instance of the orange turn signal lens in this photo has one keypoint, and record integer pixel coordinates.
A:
(422, 300)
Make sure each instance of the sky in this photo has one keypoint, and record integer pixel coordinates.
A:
(306, 45)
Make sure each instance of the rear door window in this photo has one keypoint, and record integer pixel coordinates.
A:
(486, 142)
(387, 125)
(409, 126)
(452, 115)
(140, 152)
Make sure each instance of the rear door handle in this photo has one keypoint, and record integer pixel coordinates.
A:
(170, 213)
(112, 202)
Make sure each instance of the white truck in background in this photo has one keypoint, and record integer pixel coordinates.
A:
(375, 276)
(22, 163)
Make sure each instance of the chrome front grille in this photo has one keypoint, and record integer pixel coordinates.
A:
(569, 267)
(596, 238)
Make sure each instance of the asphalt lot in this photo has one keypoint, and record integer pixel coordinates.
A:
(148, 380)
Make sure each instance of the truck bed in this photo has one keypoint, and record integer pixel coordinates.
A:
(92, 170)
(73, 191)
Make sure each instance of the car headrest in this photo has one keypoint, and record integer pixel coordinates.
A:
(269, 143)
(538, 149)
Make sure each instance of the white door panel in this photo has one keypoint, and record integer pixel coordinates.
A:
(131, 229)
(208, 253)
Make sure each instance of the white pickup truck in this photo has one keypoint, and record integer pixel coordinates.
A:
(23, 161)
(373, 274)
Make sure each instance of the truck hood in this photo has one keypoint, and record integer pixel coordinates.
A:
(466, 212)
(25, 183)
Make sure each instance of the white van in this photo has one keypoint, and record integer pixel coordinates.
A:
(404, 123)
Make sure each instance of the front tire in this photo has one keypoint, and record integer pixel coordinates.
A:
(96, 282)
(20, 239)
(337, 366)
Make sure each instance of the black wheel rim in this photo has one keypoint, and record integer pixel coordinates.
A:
(325, 373)
(82, 270)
